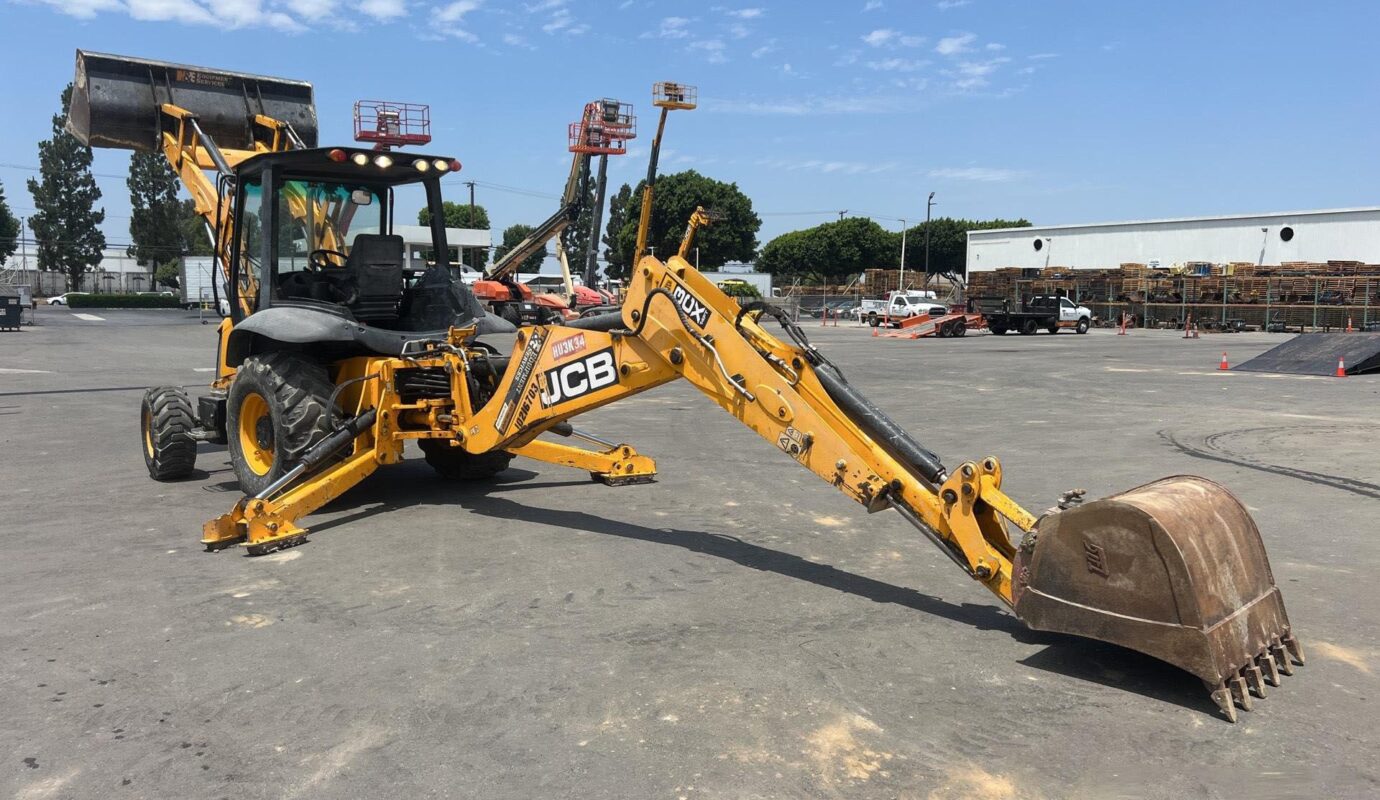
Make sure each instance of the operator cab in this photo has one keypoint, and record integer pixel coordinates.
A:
(315, 231)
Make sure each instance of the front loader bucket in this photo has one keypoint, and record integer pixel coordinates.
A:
(116, 102)
(1175, 569)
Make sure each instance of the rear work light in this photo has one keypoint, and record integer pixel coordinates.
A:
(337, 155)
(360, 158)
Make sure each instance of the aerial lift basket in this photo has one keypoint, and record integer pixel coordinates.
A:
(116, 102)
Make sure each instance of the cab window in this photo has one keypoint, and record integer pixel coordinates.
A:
(323, 218)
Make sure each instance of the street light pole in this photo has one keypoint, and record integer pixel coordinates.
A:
(929, 204)
(902, 287)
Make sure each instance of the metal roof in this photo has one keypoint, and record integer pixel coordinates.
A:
(1174, 220)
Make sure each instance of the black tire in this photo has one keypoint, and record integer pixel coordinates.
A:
(288, 417)
(166, 421)
(998, 330)
(454, 463)
(1083, 324)
(872, 320)
(1052, 327)
(1029, 327)
(961, 328)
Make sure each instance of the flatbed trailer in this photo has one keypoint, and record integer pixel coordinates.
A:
(954, 323)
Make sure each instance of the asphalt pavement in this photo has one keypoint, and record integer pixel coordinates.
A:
(735, 630)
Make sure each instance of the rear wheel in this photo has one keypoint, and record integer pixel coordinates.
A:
(998, 330)
(872, 320)
(457, 464)
(961, 328)
(166, 421)
(1029, 327)
(1052, 327)
(275, 412)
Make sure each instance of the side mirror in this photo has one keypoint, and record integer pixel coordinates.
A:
(362, 197)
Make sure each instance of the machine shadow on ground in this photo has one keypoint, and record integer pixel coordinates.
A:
(412, 484)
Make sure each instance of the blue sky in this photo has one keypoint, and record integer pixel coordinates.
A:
(1059, 112)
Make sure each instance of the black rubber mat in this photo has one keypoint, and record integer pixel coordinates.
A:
(1317, 354)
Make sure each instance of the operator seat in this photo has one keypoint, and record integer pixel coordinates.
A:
(375, 264)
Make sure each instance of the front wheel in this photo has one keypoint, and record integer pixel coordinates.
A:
(1083, 324)
(275, 412)
(166, 421)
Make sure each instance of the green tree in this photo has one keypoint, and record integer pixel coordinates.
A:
(458, 215)
(195, 239)
(67, 222)
(948, 242)
(832, 251)
(732, 238)
(9, 229)
(155, 222)
(616, 265)
(575, 237)
(516, 233)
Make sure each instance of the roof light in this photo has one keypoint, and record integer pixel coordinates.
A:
(337, 155)
(360, 158)
(383, 162)
(422, 165)
(454, 165)
(441, 165)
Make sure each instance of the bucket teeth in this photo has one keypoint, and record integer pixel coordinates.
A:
(1267, 664)
(1241, 687)
(1281, 658)
(1295, 649)
(1222, 697)
(1240, 693)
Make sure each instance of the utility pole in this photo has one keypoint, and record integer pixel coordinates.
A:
(592, 247)
(929, 204)
(902, 285)
(472, 257)
(841, 213)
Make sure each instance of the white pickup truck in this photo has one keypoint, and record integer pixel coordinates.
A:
(900, 306)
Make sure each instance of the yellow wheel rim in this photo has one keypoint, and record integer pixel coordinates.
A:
(256, 433)
(147, 420)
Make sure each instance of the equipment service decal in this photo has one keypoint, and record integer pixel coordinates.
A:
(688, 304)
(530, 354)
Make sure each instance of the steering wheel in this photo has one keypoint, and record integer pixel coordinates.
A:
(317, 260)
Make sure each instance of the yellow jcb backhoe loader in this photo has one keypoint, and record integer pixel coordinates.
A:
(337, 354)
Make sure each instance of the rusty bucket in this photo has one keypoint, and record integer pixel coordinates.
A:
(1175, 569)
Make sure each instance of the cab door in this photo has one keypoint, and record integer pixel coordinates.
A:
(1068, 312)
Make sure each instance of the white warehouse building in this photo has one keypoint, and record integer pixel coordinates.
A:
(1347, 234)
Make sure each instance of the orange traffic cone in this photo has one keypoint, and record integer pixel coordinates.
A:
(1122, 331)
(1348, 323)
(874, 331)
(1223, 365)
(1341, 367)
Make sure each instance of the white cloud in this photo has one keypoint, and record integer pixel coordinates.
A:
(953, 45)
(543, 5)
(811, 105)
(747, 13)
(1042, 56)
(514, 40)
(713, 49)
(671, 28)
(898, 65)
(83, 9)
(383, 9)
(973, 74)
(872, 5)
(980, 174)
(312, 9)
(769, 47)
(563, 22)
(172, 11)
(738, 30)
(879, 37)
(995, 47)
(945, 5)
(454, 12)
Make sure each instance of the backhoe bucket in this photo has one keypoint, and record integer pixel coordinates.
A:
(1175, 569)
(116, 102)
